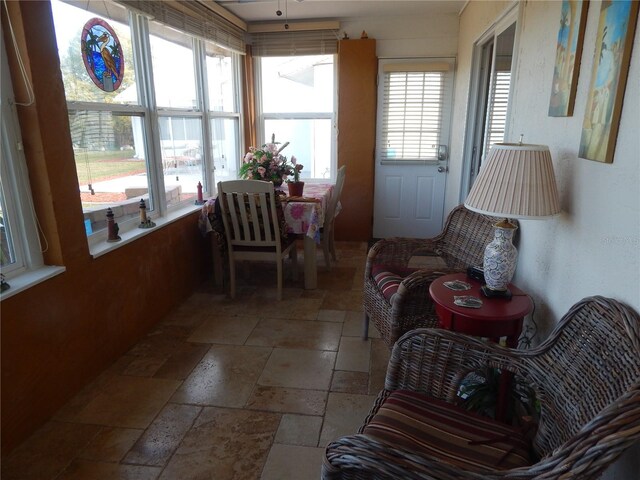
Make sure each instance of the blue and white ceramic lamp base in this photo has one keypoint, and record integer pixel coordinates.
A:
(500, 258)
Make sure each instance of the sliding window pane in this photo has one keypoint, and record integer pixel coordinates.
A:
(7, 253)
(297, 84)
(224, 145)
(69, 21)
(220, 80)
(181, 145)
(109, 152)
(173, 68)
(310, 142)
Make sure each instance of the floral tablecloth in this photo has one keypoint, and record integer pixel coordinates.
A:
(303, 215)
(306, 214)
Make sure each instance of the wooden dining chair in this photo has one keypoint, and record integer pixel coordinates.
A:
(253, 228)
(327, 231)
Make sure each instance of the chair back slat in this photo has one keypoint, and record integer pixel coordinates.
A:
(335, 196)
(591, 359)
(249, 213)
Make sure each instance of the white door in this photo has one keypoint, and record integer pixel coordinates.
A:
(414, 116)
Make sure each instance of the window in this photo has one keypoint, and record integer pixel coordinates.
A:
(19, 243)
(173, 119)
(297, 104)
(413, 111)
(489, 94)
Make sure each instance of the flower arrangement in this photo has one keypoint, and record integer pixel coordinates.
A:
(267, 163)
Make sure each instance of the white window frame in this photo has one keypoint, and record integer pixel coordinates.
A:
(151, 113)
(264, 116)
(479, 90)
(20, 213)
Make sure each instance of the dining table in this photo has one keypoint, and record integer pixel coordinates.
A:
(304, 216)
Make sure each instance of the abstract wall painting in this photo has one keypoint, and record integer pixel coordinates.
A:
(573, 17)
(614, 41)
(102, 55)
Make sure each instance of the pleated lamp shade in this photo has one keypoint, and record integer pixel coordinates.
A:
(515, 181)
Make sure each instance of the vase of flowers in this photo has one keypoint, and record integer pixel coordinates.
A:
(266, 163)
(296, 187)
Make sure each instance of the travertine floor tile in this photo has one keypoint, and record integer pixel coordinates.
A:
(280, 465)
(299, 430)
(225, 376)
(343, 300)
(294, 308)
(130, 402)
(110, 444)
(287, 333)
(380, 355)
(164, 435)
(225, 329)
(228, 444)
(353, 354)
(291, 368)
(332, 315)
(182, 361)
(350, 382)
(345, 413)
(88, 470)
(354, 326)
(291, 400)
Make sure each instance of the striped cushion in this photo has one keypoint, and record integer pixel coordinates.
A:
(430, 427)
(388, 278)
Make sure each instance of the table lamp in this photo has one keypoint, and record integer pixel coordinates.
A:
(515, 181)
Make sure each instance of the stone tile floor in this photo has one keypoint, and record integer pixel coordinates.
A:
(246, 389)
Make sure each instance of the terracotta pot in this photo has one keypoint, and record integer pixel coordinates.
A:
(295, 189)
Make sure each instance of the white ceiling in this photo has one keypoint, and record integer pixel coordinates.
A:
(265, 10)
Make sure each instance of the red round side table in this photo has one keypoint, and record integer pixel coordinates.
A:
(496, 318)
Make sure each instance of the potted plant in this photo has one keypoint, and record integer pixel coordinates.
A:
(296, 187)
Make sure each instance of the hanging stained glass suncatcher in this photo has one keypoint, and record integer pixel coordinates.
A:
(102, 55)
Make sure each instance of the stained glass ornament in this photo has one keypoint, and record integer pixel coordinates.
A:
(102, 55)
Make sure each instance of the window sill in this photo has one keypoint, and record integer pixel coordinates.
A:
(27, 280)
(100, 248)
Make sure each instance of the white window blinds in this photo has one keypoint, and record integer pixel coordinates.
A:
(282, 44)
(497, 111)
(194, 19)
(413, 103)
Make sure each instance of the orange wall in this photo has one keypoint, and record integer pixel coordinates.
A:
(357, 73)
(58, 335)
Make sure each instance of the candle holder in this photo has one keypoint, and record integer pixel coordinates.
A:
(144, 221)
(200, 200)
(112, 228)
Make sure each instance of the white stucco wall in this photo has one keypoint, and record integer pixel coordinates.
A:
(593, 247)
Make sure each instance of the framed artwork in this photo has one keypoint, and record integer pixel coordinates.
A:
(573, 17)
(614, 41)
(102, 55)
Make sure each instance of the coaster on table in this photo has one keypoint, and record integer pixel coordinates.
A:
(467, 301)
(457, 285)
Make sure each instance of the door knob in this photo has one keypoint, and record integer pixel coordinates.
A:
(443, 169)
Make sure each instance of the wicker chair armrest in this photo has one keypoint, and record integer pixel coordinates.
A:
(434, 361)
(396, 251)
(597, 444)
(374, 460)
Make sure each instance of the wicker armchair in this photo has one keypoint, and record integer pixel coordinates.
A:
(461, 244)
(586, 377)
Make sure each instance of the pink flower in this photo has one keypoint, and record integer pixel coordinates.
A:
(261, 171)
(248, 157)
(294, 160)
(297, 210)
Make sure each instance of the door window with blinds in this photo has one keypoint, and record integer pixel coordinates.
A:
(415, 108)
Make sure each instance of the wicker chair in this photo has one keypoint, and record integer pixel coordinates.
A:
(586, 377)
(461, 244)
